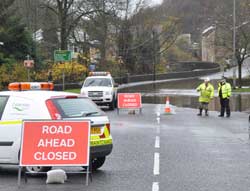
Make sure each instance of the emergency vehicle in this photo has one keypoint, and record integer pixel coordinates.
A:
(101, 88)
(27, 100)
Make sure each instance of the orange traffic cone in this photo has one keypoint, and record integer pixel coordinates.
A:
(167, 106)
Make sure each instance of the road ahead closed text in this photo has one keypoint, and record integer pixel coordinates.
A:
(129, 100)
(55, 143)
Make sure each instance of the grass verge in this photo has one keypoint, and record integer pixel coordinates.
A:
(73, 90)
(241, 90)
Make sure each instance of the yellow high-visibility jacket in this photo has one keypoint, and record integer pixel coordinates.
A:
(206, 92)
(225, 90)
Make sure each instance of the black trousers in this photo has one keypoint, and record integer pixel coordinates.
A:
(224, 106)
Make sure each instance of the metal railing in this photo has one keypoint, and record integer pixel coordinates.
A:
(127, 78)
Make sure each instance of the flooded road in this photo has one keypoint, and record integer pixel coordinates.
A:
(182, 93)
(238, 102)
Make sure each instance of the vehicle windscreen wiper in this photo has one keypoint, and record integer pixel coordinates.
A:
(90, 83)
(89, 114)
(83, 114)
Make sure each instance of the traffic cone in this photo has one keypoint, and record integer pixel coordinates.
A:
(167, 106)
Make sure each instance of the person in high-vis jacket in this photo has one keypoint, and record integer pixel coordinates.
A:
(206, 90)
(224, 91)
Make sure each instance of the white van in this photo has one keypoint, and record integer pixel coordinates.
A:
(101, 88)
(32, 102)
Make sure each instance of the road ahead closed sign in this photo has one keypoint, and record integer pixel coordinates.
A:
(55, 143)
(129, 101)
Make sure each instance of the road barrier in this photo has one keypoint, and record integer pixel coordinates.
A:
(129, 101)
(55, 143)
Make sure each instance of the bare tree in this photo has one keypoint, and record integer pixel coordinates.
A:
(102, 25)
(4, 6)
(145, 36)
(69, 14)
(224, 25)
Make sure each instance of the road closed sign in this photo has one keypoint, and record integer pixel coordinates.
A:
(129, 101)
(55, 143)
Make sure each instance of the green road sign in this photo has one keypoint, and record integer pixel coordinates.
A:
(62, 55)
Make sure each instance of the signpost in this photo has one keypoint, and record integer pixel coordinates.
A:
(55, 143)
(129, 101)
(92, 67)
(28, 64)
(62, 56)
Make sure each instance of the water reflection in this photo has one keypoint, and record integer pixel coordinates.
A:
(237, 102)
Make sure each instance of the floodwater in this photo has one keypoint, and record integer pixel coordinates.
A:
(182, 94)
(239, 102)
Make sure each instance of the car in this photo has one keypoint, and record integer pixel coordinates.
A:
(101, 88)
(38, 101)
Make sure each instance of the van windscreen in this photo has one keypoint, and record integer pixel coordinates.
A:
(3, 101)
(77, 107)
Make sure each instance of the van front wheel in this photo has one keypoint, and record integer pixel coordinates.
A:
(97, 162)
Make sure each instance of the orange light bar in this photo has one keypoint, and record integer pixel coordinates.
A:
(22, 86)
(99, 73)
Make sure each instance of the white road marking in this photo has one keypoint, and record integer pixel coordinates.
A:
(157, 142)
(157, 164)
(155, 186)
(158, 120)
(158, 116)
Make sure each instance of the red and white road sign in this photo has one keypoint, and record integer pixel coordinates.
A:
(28, 63)
(55, 143)
(129, 101)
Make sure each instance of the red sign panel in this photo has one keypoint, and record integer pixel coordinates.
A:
(55, 143)
(129, 100)
(28, 63)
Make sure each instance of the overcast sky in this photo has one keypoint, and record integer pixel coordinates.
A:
(155, 1)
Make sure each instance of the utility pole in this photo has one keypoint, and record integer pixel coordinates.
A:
(234, 45)
(154, 60)
(120, 61)
(28, 69)
(28, 63)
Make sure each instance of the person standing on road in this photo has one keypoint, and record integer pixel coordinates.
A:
(206, 90)
(224, 91)
(50, 77)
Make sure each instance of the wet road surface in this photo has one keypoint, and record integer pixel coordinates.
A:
(155, 151)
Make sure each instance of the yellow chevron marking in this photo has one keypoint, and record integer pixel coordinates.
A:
(106, 132)
(95, 140)
(101, 142)
(94, 137)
